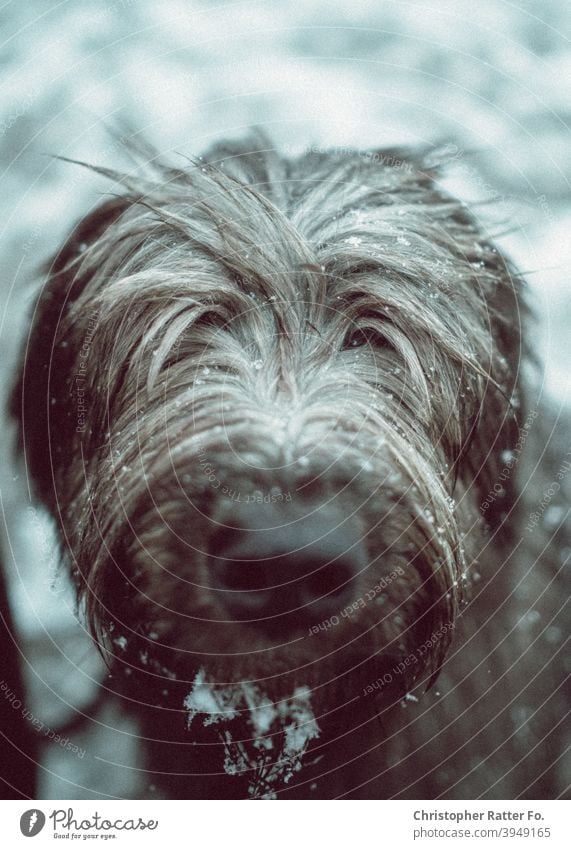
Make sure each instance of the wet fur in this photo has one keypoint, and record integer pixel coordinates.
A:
(337, 328)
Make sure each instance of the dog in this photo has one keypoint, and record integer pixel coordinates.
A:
(278, 408)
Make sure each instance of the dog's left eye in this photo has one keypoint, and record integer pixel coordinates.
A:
(367, 337)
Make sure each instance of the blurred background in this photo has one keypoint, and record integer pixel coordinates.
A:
(492, 79)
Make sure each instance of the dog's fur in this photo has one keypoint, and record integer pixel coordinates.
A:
(251, 341)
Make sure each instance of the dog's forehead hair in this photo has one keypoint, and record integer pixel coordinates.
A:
(334, 252)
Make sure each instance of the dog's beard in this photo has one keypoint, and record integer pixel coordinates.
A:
(264, 741)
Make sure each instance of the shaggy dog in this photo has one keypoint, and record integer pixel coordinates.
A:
(276, 408)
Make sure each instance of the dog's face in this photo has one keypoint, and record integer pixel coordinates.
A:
(262, 389)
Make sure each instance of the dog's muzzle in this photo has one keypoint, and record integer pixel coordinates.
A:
(273, 567)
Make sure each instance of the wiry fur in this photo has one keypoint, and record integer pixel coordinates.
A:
(330, 327)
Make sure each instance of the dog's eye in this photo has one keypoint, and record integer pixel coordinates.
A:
(365, 337)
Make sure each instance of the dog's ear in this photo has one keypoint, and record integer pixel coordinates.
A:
(43, 368)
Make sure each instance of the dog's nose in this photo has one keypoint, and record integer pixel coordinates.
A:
(280, 570)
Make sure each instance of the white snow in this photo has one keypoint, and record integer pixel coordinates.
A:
(281, 732)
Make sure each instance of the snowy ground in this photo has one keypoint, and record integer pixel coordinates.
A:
(492, 78)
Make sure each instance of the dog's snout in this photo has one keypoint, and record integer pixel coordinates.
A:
(305, 569)
(276, 582)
